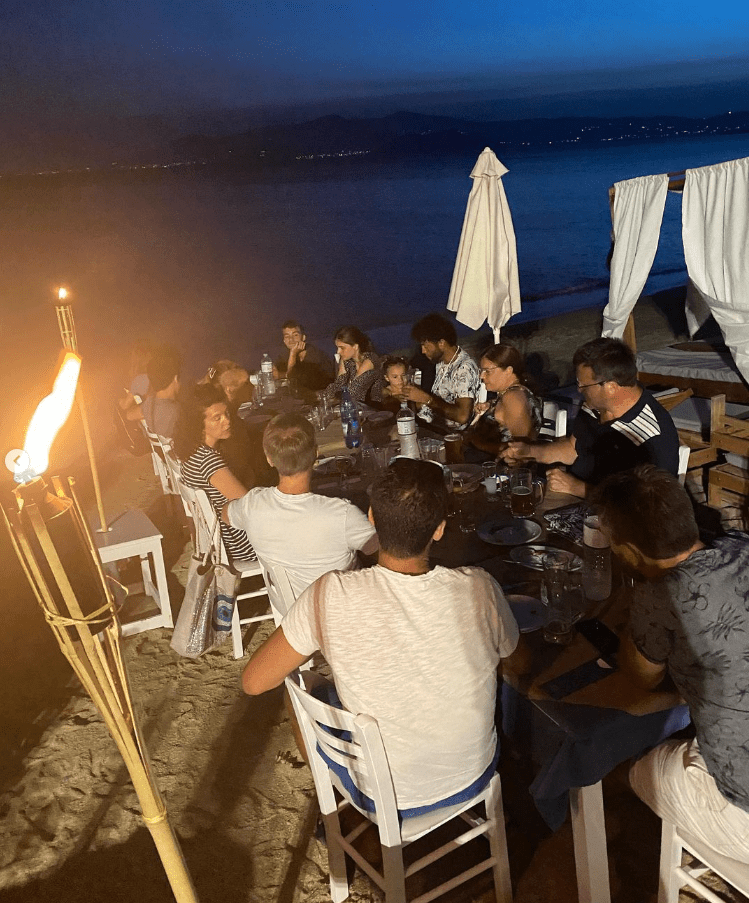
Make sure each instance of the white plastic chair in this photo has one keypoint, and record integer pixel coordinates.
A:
(205, 519)
(673, 875)
(366, 760)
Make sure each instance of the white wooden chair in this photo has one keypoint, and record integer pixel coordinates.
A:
(280, 593)
(186, 493)
(205, 518)
(366, 761)
(673, 875)
(554, 423)
(158, 458)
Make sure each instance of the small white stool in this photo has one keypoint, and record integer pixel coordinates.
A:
(133, 535)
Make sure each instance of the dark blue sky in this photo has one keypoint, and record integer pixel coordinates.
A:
(138, 56)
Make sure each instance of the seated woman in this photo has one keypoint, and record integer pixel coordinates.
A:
(203, 424)
(358, 368)
(517, 412)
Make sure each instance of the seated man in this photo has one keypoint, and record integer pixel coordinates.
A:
(305, 533)
(304, 363)
(619, 426)
(160, 408)
(416, 647)
(456, 385)
(690, 620)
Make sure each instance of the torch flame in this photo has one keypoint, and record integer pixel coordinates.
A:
(62, 294)
(51, 413)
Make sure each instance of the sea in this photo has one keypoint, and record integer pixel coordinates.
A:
(215, 264)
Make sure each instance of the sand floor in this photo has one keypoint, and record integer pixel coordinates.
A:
(238, 795)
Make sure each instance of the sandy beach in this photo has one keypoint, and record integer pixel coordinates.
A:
(239, 797)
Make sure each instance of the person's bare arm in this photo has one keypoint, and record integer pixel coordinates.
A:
(558, 480)
(134, 412)
(272, 662)
(227, 484)
(512, 411)
(558, 451)
(642, 672)
(459, 411)
(520, 660)
(371, 546)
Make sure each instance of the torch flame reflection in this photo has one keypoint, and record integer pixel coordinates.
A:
(51, 413)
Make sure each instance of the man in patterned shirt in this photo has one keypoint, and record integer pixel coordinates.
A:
(456, 383)
(619, 426)
(690, 620)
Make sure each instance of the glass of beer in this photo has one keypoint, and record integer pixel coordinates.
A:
(521, 492)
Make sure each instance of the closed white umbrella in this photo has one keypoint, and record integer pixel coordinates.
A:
(485, 282)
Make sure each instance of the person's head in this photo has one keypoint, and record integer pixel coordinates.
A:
(501, 366)
(163, 369)
(293, 333)
(232, 382)
(289, 444)
(203, 419)
(394, 371)
(351, 343)
(408, 504)
(647, 516)
(602, 367)
(434, 334)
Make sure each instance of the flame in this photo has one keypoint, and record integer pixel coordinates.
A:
(51, 413)
(62, 294)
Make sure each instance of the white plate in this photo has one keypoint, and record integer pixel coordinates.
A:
(529, 612)
(519, 531)
(533, 557)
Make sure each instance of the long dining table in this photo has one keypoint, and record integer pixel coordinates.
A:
(576, 740)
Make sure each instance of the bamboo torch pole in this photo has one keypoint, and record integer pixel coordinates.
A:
(70, 341)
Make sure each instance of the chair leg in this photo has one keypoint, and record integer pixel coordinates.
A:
(498, 843)
(339, 889)
(671, 853)
(236, 634)
(394, 874)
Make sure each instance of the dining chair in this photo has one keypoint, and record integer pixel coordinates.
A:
(554, 421)
(361, 752)
(206, 518)
(158, 459)
(280, 593)
(673, 875)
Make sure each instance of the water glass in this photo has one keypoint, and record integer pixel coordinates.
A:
(490, 481)
(432, 450)
(463, 504)
(557, 596)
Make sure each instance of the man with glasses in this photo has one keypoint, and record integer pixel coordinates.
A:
(620, 425)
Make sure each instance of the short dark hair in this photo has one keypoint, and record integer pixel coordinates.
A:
(504, 355)
(609, 359)
(190, 428)
(409, 502)
(648, 508)
(434, 328)
(293, 324)
(163, 366)
(392, 360)
(352, 335)
(289, 444)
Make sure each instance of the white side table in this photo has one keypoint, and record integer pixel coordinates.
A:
(132, 535)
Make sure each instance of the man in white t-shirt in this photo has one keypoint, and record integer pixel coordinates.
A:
(305, 533)
(416, 647)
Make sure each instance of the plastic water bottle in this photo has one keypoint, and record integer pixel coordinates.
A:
(266, 375)
(407, 432)
(596, 561)
(350, 420)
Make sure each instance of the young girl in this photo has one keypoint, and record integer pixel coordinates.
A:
(393, 380)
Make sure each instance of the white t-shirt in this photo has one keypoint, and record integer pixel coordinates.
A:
(419, 654)
(308, 534)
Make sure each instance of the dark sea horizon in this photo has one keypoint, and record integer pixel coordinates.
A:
(214, 265)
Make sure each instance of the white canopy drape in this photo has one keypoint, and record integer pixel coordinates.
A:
(485, 282)
(637, 217)
(715, 229)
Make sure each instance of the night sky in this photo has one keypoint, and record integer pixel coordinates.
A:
(62, 57)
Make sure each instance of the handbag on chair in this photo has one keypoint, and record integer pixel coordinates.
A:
(204, 620)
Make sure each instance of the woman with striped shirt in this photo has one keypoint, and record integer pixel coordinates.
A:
(203, 423)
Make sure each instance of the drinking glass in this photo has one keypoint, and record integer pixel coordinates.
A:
(489, 473)
(463, 506)
(556, 596)
(453, 448)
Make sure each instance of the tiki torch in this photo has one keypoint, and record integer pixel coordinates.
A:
(55, 547)
(66, 323)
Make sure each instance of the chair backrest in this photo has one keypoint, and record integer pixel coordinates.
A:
(554, 422)
(280, 593)
(159, 448)
(684, 452)
(205, 526)
(186, 493)
(359, 752)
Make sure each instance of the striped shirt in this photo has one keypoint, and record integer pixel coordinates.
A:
(197, 471)
(645, 434)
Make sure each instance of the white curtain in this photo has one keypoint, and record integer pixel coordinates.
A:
(715, 228)
(637, 216)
